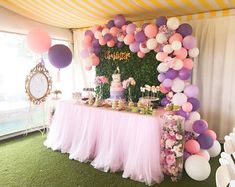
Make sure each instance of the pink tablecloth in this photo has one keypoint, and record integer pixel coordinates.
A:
(111, 140)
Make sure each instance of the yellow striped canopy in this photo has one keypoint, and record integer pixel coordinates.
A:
(85, 13)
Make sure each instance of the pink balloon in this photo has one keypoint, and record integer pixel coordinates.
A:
(102, 41)
(189, 42)
(114, 31)
(151, 30)
(96, 28)
(140, 54)
(192, 146)
(95, 60)
(175, 37)
(211, 133)
(161, 56)
(124, 27)
(110, 43)
(38, 40)
(164, 89)
(181, 53)
(188, 63)
(204, 154)
(187, 107)
(129, 38)
(88, 68)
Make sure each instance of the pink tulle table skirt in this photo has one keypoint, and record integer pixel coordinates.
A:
(110, 140)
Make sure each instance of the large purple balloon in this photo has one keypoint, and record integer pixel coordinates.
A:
(195, 102)
(186, 155)
(140, 36)
(161, 77)
(89, 33)
(134, 47)
(97, 50)
(119, 20)
(171, 74)
(200, 126)
(182, 113)
(205, 141)
(110, 24)
(161, 21)
(185, 29)
(108, 36)
(184, 74)
(95, 43)
(189, 42)
(165, 101)
(60, 56)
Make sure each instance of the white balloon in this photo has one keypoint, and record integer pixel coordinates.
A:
(197, 167)
(161, 38)
(120, 38)
(97, 34)
(179, 99)
(173, 23)
(188, 125)
(151, 43)
(143, 48)
(215, 149)
(194, 116)
(167, 49)
(176, 45)
(178, 85)
(178, 64)
(205, 154)
(162, 67)
(194, 52)
(105, 31)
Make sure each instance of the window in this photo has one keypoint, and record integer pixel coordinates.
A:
(16, 113)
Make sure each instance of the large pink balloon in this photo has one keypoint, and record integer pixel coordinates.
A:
(151, 30)
(38, 40)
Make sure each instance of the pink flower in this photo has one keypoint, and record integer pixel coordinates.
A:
(125, 84)
(169, 143)
(103, 79)
(170, 159)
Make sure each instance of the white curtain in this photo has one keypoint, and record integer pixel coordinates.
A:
(214, 72)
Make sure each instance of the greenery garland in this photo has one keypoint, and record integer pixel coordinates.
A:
(143, 70)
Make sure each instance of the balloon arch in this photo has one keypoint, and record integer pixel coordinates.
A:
(175, 48)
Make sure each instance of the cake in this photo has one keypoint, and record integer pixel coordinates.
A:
(116, 89)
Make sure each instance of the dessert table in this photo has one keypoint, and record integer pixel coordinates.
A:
(110, 140)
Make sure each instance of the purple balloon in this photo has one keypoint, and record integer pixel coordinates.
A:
(89, 33)
(108, 37)
(120, 44)
(161, 21)
(185, 29)
(195, 102)
(191, 91)
(205, 141)
(97, 50)
(186, 155)
(144, 25)
(182, 113)
(165, 101)
(167, 83)
(140, 36)
(189, 42)
(60, 56)
(110, 24)
(119, 20)
(184, 74)
(161, 77)
(95, 43)
(200, 126)
(130, 28)
(134, 47)
(91, 50)
(84, 53)
(171, 74)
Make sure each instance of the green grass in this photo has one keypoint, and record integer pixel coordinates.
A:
(26, 162)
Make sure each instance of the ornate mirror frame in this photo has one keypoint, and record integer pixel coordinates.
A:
(38, 84)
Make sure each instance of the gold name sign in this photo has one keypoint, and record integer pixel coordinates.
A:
(117, 55)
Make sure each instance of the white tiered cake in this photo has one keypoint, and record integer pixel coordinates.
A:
(116, 89)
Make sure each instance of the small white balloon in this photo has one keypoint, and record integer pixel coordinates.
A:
(178, 85)
(167, 49)
(188, 125)
(105, 31)
(215, 149)
(204, 153)
(161, 38)
(178, 64)
(120, 38)
(143, 48)
(197, 167)
(194, 52)
(162, 67)
(151, 43)
(194, 116)
(97, 34)
(176, 45)
(173, 23)
(179, 99)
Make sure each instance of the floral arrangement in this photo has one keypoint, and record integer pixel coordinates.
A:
(172, 146)
(152, 91)
(127, 84)
(99, 82)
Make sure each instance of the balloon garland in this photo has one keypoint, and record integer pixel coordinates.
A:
(175, 48)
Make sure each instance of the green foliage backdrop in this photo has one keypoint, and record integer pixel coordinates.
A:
(143, 70)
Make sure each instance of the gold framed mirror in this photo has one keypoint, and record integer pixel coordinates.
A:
(38, 84)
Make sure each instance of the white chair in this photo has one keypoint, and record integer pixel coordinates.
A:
(222, 176)
(232, 183)
(229, 147)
